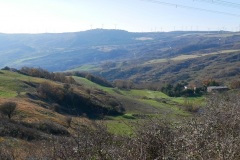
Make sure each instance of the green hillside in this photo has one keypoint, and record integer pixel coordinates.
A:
(87, 96)
(43, 121)
(12, 84)
(19, 86)
(222, 66)
(144, 101)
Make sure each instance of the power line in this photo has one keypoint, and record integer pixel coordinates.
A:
(226, 2)
(222, 3)
(192, 8)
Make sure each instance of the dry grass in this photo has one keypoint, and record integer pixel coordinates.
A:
(31, 113)
(213, 134)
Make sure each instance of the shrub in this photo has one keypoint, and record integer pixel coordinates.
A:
(41, 73)
(6, 154)
(50, 92)
(235, 84)
(74, 102)
(18, 130)
(68, 121)
(8, 109)
(190, 106)
(51, 128)
(96, 79)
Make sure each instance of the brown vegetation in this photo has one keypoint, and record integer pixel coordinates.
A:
(65, 99)
(212, 134)
(220, 67)
(235, 84)
(41, 73)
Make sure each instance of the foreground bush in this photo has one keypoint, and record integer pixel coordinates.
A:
(212, 134)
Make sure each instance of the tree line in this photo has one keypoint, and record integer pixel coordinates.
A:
(41, 73)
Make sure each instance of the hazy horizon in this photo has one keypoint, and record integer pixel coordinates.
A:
(60, 16)
(125, 30)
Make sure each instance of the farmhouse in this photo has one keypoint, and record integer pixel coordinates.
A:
(217, 88)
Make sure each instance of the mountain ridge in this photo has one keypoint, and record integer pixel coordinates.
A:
(122, 52)
(19, 48)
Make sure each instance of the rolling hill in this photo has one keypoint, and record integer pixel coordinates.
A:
(86, 96)
(63, 115)
(39, 130)
(46, 106)
(117, 54)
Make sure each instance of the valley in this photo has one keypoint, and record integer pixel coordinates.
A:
(101, 91)
(117, 54)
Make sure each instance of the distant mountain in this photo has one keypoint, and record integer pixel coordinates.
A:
(115, 54)
(58, 52)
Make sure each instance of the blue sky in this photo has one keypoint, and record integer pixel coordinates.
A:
(39, 16)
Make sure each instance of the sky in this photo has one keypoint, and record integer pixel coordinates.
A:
(57, 16)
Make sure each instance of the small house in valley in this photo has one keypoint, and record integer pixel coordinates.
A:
(217, 89)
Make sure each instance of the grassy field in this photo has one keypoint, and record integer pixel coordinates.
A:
(220, 34)
(86, 68)
(12, 87)
(119, 127)
(185, 57)
(139, 104)
(85, 82)
(221, 52)
(142, 103)
(156, 99)
(12, 83)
